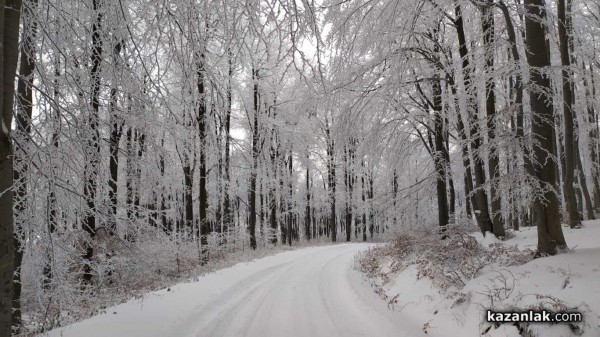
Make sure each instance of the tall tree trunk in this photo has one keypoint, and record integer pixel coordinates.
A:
(394, 197)
(203, 223)
(115, 136)
(9, 35)
(140, 139)
(253, 173)
(371, 210)
(331, 179)
(489, 38)
(518, 101)
(464, 146)
(363, 195)
(129, 174)
(438, 156)
(545, 203)
(23, 134)
(589, 208)
(290, 202)
(227, 213)
(166, 226)
(348, 183)
(273, 191)
(92, 150)
(483, 218)
(572, 216)
(307, 217)
(594, 138)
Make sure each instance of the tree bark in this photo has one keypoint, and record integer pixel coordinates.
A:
(115, 137)
(438, 156)
(253, 173)
(9, 34)
(21, 168)
(307, 216)
(203, 224)
(331, 179)
(572, 216)
(489, 38)
(92, 150)
(545, 202)
(480, 207)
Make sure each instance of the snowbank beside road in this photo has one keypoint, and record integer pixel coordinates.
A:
(505, 278)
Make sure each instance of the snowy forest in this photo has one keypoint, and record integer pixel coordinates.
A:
(142, 139)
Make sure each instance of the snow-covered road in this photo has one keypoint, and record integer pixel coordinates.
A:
(307, 292)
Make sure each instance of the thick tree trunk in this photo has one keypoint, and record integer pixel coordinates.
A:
(489, 38)
(92, 150)
(203, 224)
(253, 173)
(23, 134)
(9, 35)
(545, 203)
(115, 136)
(439, 157)
(480, 207)
(572, 216)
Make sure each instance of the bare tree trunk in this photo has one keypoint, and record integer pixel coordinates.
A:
(481, 205)
(464, 145)
(594, 138)
(582, 181)
(92, 150)
(290, 216)
(9, 261)
(545, 203)
(253, 173)
(438, 156)
(273, 191)
(572, 216)
(307, 216)
(227, 213)
(204, 226)
(371, 211)
(348, 182)
(489, 38)
(518, 87)
(363, 194)
(23, 134)
(331, 179)
(115, 137)
(395, 197)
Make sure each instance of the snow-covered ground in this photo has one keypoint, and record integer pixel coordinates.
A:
(566, 282)
(308, 292)
(318, 292)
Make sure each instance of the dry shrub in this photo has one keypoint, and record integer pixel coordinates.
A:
(448, 263)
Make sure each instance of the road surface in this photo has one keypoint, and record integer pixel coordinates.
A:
(302, 293)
